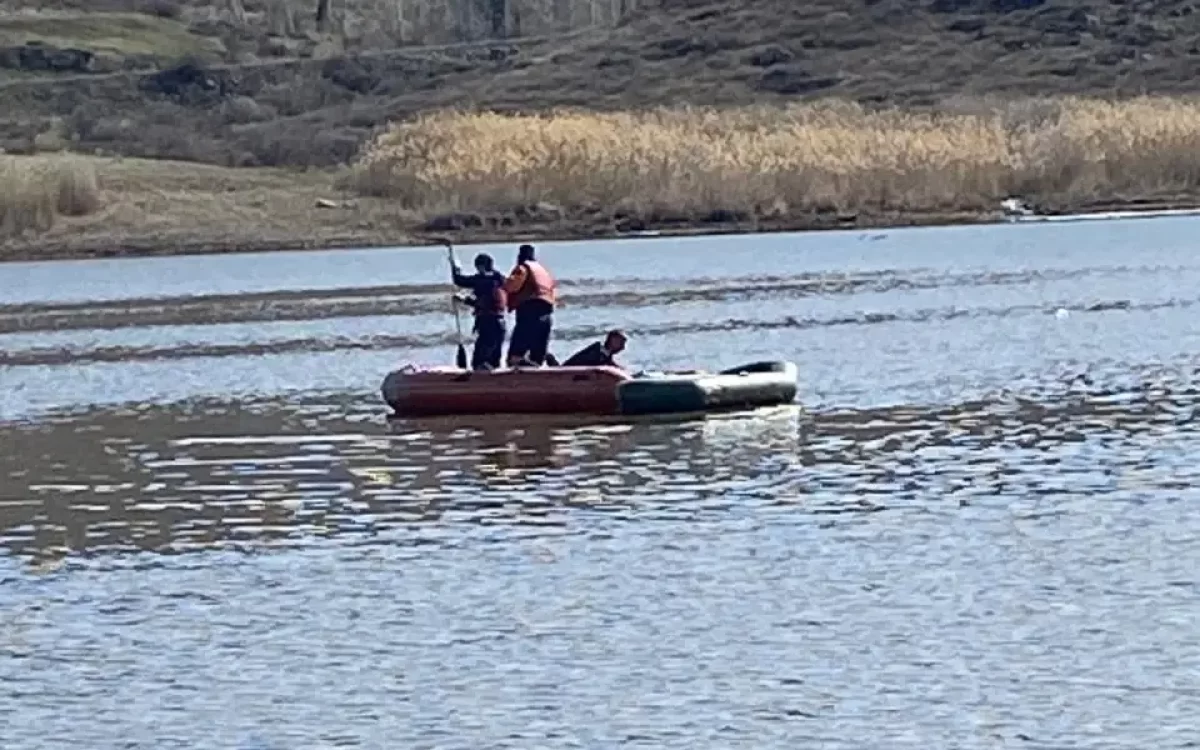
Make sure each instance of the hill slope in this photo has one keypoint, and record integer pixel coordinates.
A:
(317, 111)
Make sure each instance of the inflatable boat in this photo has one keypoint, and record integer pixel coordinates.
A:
(442, 391)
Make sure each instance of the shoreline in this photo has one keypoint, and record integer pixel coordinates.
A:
(40, 249)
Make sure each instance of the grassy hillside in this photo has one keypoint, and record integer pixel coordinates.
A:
(65, 205)
(939, 108)
(139, 34)
(291, 94)
(114, 35)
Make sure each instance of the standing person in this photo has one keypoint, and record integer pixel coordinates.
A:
(489, 301)
(532, 293)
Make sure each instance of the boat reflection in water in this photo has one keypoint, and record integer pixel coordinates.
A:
(173, 479)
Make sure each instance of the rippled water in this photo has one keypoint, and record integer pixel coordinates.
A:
(977, 528)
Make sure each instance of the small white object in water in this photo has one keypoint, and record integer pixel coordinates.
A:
(1061, 313)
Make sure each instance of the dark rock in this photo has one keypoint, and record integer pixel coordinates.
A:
(44, 58)
(1079, 17)
(350, 74)
(190, 83)
(770, 55)
(789, 79)
(162, 8)
(1009, 6)
(109, 64)
(846, 43)
(968, 25)
(630, 224)
(1068, 22)
(614, 62)
(276, 48)
(1065, 69)
(950, 6)
(1147, 32)
(725, 216)
(682, 47)
(452, 222)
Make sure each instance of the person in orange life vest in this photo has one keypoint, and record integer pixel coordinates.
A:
(532, 293)
(489, 302)
(599, 354)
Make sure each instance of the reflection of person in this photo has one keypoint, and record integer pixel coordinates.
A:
(599, 353)
(488, 300)
(531, 295)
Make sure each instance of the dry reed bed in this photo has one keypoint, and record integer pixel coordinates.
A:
(35, 192)
(775, 161)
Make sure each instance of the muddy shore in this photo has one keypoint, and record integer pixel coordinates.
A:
(125, 244)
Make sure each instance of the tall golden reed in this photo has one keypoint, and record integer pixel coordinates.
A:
(35, 191)
(771, 161)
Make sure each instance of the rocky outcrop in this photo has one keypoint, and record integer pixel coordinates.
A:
(793, 79)
(190, 83)
(45, 58)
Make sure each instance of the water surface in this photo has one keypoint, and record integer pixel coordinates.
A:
(976, 528)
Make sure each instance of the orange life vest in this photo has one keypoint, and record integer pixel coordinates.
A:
(538, 284)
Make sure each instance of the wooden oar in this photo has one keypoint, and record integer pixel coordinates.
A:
(460, 357)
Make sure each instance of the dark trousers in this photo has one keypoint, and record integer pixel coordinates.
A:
(489, 341)
(531, 334)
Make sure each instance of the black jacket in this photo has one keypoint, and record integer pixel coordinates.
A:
(487, 289)
(592, 356)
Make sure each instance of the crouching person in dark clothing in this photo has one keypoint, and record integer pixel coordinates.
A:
(599, 353)
(489, 301)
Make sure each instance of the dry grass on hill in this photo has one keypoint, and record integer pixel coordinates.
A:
(778, 161)
(35, 193)
(70, 205)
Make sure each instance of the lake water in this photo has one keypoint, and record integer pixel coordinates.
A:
(977, 528)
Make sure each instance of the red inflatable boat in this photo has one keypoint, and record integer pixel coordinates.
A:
(413, 392)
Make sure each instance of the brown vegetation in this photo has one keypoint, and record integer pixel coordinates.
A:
(35, 193)
(692, 164)
(580, 174)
